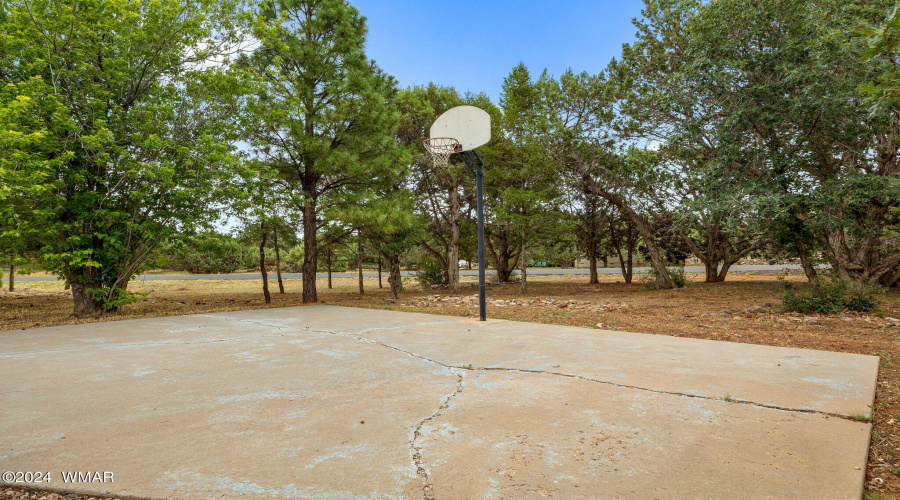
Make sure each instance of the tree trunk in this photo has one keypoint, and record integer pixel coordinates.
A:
(891, 280)
(310, 254)
(362, 291)
(631, 243)
(453, 249)
(715, 240)
(328, 256)
(592, 259)
(617, 244)
(68, 285)
(605, 261)
(718, 250)
(12, 278)
(379, 273)
(84, 301)
(262, 264)
(504, 260)
(524, 267)
(643, 227)
(278, 262)
(622, 267)
(395, 280)
(730, 260)
(811, 274)
(84, 296)
(712, 270)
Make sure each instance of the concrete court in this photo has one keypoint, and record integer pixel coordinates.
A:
(326, 402)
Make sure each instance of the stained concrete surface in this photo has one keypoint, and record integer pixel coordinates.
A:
(328, 403)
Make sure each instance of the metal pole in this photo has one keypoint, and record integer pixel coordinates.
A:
(479, 187)
(473, 161)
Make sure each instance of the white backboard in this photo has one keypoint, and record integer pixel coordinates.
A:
(469, 125)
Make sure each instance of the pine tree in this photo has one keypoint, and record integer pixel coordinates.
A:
(321, 115)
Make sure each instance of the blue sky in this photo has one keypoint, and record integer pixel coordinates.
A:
(472, 45)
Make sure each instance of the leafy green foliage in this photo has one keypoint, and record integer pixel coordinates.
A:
(439, 193)
(831, 295)
(320, 115)
(430, 272)
(123, 126)
(206, 253)
(883, 42)
(292, 260)
(650, 281)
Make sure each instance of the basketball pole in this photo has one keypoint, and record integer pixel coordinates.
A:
(476, 165)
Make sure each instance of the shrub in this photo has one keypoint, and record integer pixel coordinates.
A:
(676, 274)
(207, 253)
(430, 272)
(338, 265)
(831, 295)
(292, 260)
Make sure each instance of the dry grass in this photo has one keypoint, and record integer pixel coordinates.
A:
(690, 312)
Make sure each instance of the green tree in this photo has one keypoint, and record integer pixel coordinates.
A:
(27, 166)
(706, 209)
(583, 139)
(263, 213)
(883, 41)
(393, 228)
(441, 192)
(521, 181)
(591, 216)
(205, 253)
(135, 105)
(784, 79)
(321, 115)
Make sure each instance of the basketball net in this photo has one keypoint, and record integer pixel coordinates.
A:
(441, 148)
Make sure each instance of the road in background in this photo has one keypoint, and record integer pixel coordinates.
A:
(537, 271)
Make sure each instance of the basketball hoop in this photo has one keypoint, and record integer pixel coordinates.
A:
(441, 148)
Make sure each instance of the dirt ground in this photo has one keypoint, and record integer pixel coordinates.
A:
(746, 308)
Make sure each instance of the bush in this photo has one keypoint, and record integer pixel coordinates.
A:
(430, 272)
(831, 295)
(676, 274)
(208, 253)
(338, 265)
(292, 260)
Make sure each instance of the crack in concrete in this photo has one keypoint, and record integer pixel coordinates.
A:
(670, 393)
(416, 451)
(451, 367)
(589, 379)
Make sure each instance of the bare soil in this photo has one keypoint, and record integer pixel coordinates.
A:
(746, 308)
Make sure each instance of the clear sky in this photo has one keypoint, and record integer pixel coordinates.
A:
(472, 45)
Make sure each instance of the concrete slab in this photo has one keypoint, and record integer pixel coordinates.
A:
(327, 402)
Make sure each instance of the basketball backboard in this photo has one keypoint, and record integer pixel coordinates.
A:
(469, 125)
